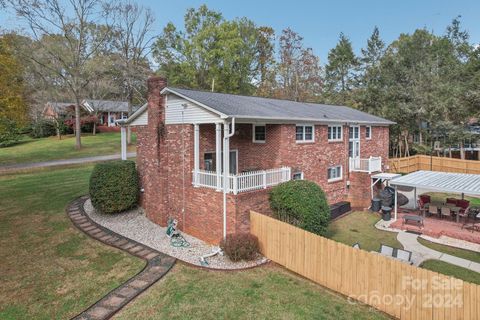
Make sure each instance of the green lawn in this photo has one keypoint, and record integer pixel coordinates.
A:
(51, 148)
(262, 293)
(442, 196)
(49, 269)
(461, 253)
(359, 226)
(452, 270)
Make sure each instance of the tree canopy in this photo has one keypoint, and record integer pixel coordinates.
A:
(428, 83)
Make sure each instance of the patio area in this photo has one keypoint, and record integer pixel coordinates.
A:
(435, 227)
(455, 216)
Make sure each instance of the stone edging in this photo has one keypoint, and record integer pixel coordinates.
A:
(158, 264)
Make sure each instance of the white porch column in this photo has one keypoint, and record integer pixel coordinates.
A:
(196, 151)
(218, 154)
(415, 198)
(226, 173)
(108, 119)
(123, 139)
(395, 202)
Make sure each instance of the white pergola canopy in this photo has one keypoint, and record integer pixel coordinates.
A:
(461, 183)
(441, 181)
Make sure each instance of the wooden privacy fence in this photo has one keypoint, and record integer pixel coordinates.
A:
(422, 162)
(394, 287)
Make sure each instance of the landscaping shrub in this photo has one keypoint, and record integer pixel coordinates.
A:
(42, 128)
(114, 186)
(301, 203)
(240, 246)
(9, 132)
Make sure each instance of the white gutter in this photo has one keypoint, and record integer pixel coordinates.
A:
(226, 169)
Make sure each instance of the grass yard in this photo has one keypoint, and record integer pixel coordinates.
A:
(359, 226)
(49, 269)
(51, 148)
(461, 253)
(442, 196)
(452, 270)
(262, 293)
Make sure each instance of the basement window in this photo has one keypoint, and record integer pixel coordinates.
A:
(334, 174)
(297, 176)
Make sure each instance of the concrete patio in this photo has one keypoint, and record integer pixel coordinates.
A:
(435, 227)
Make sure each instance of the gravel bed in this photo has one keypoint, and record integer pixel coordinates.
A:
(134, 225)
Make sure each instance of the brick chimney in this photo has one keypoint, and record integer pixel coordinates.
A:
(156, 101)
(151, 153)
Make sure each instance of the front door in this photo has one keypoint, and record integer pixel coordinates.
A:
(354, 142)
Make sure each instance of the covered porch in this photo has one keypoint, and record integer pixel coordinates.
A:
(227, 156)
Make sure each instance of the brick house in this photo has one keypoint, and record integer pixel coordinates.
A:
(186, 138)
(107, 111)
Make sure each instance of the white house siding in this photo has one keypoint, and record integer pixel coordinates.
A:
(192, 114)
(141, 120)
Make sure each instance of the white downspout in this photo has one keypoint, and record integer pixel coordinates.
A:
(226, 169)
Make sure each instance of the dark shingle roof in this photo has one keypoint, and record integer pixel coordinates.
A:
(108, 105)
(250, 107)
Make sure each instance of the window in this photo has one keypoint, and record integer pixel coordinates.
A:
(335, 133)
(208, 161)
(354, 132)
(368, 132)
(297, 176)
(334, 173)
(259, 133)
(304, 133)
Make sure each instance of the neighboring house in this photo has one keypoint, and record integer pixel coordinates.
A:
(184, 137)
(108, 111)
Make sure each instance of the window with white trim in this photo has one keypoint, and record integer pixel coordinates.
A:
(334, 173)
(304, 133)
(259, 133)
(335, 133)
(297, 176)
(368, 132)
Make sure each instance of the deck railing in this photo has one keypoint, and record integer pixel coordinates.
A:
(243, 182)
(372, 164)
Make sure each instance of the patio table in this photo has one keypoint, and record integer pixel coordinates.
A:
(474, 225)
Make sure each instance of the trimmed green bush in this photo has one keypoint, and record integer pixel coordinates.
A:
(9, 132)
(240, 246)
(301, 203)
(114, 186)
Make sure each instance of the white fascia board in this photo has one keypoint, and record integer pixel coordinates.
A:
(250, 119)
(136, 113)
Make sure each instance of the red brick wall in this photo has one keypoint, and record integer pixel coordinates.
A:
(165, 163)
(251, 156)
(314, 158)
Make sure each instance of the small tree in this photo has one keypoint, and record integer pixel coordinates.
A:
(301, 203)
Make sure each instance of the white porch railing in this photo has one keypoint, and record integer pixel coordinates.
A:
(243, 182)
(372, 164)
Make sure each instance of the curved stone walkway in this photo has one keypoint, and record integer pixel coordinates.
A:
(158, 264)
(421, 253)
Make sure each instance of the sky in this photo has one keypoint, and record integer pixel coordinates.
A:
(320, 22)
